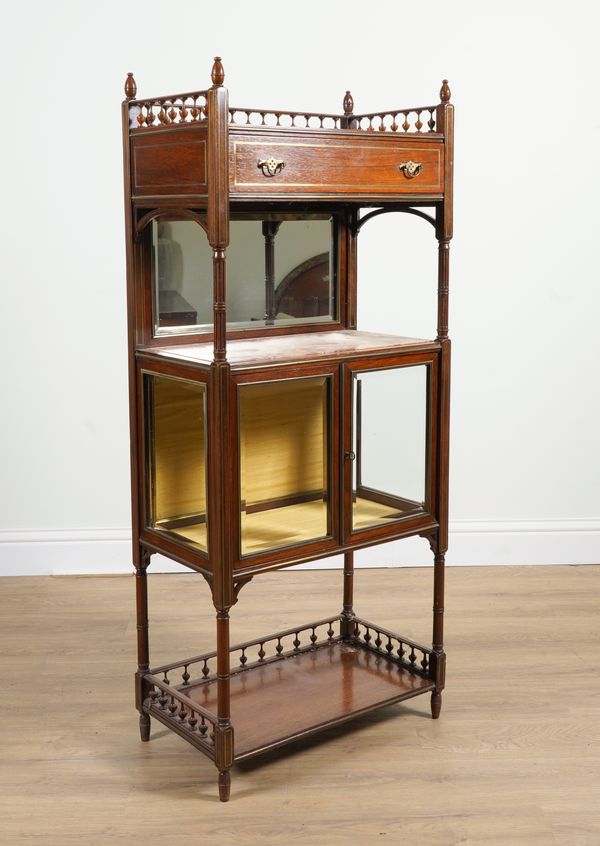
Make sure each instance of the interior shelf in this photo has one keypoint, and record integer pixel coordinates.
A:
(325, 678)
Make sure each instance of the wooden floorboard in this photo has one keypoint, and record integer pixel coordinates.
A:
(513, 759)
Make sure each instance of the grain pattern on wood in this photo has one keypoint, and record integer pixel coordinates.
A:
(283, 700)
(166, 166)
(336, 167)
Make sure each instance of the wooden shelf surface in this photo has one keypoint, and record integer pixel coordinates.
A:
(281, 701)
(294, 348)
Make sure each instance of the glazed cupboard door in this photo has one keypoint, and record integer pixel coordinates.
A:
(287, 469)
(389, 446)
(175, 462)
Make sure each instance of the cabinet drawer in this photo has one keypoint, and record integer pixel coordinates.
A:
(336, 167)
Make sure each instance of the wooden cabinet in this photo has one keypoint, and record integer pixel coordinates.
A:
(266, 429)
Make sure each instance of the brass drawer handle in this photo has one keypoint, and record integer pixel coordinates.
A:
(411, 169)
(271, 167)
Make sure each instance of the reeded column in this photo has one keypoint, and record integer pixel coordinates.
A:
(223, 731)
(443, 287)
(219, 304)
(348, 609)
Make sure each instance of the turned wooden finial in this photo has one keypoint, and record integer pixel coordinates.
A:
(348, 104)
(130, 87)
(445, 91)
(217, 74)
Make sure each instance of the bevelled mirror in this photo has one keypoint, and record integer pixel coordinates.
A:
(281, 271)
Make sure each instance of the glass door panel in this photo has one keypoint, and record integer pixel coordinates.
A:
(284, 446)
(390, 445)
(176, 458)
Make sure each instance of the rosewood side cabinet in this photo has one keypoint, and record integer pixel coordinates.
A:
(266, 430)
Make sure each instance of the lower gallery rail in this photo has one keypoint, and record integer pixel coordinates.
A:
(168, 686)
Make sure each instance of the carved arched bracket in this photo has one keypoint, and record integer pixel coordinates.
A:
(431, 536)
(169, 213)
(404, 210)
(238, 585)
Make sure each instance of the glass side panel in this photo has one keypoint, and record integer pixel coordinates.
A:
(280, 271)
(284, 463)
(176, 458)
(390, 445)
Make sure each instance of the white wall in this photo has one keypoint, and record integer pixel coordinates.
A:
(525, 293)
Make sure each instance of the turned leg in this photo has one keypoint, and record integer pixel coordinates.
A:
(224, 785)
(223, 729)
(141, 596)
(348, 610)
(144, 727)
(438, 658)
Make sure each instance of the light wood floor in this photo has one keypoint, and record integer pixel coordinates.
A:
(514, 758)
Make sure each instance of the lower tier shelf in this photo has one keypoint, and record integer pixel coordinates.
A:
(278, 699)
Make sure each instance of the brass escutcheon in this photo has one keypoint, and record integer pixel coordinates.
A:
(411, 169)
(271, 167)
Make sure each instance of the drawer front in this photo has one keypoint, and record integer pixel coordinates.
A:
(351, 167)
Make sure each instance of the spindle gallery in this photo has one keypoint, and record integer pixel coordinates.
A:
(262, 433)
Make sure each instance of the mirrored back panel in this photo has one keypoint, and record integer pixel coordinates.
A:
(284, 455)
(175, 459)
(281, 271)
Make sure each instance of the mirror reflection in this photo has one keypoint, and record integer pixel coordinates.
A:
(280, 271)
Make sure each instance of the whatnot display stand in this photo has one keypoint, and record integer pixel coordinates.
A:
(266, 430)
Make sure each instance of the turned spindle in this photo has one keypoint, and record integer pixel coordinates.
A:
(130, 87)
(217, 74)
(445, 92)
(348, 103)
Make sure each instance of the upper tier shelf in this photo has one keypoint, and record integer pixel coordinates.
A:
(281, 349)
(281, 154)
(283, 163)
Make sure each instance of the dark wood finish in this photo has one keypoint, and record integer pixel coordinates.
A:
(167, 166)
(333, 166)
(143, 649)
(363, 667)
(271, 708)
(193, 156)
(130, 87)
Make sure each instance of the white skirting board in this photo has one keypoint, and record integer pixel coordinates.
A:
(61, 552)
